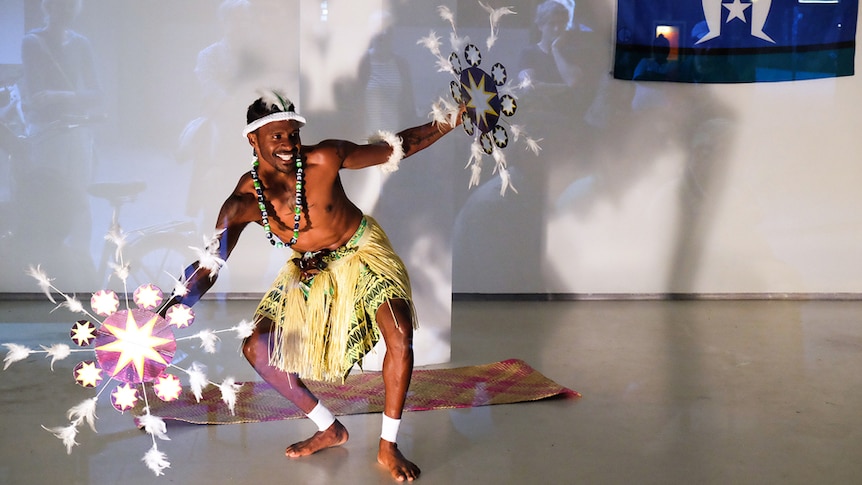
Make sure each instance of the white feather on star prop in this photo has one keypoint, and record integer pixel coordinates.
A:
(72, 304)
(156, 460)
(121, 270)
(57, 352)
(208, 256)
(506, 181)
(530, 143)
(475, 163)
(16, 353)
(438, 111)
(499, 160)
(44, 281)
(67, 434)
(154, 425)
(85, 411)
(432, 43)
(197, 379)
(495, 14)
(516, 130)
(447, 15)
(505, 176)
(509, 88)
(208, 339)
(526, 83)
(228, 389)
(244, 329)
(458, 43)
(533, 145)
(443, 65)
(504, 98)
(180, 287)
(116, 236)
(445, 111)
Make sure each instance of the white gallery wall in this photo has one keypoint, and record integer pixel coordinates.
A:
(640, 188)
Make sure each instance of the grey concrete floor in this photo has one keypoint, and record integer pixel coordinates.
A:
(679, 392)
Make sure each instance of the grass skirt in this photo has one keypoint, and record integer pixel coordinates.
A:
(322, 328)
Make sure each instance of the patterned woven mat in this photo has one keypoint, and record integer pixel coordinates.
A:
(505, 382)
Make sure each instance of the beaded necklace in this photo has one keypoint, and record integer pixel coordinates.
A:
(261, 203)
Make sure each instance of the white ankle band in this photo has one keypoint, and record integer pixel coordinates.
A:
(321, 417)
(389, 431)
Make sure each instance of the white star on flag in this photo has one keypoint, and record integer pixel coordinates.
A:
(736, 10)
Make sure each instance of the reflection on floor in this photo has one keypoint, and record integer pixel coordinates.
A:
(681, 392)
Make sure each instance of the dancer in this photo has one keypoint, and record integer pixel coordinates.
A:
(342, 286)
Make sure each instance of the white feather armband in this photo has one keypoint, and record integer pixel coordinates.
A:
(393, 141)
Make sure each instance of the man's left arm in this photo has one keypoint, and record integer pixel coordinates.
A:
(411, 140)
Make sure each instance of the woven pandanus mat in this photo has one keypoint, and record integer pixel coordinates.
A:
(504, 382)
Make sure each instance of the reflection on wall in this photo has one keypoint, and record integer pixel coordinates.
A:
(640, 187)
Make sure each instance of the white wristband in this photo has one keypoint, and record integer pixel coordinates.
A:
(389, 431)
(321, 417)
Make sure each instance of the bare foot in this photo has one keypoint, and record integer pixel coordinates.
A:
(401, 468)
(334, 435)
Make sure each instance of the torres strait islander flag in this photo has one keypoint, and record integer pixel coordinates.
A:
(734, 41)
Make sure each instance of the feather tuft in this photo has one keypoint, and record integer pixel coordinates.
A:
(476, 153)
(85, 411)
(244, 329)
(447, 15)
(73, 304)
(121, 271)
(394, 142)
(491, 40)
(438, 111)
(533, 145)
(432, 43)
(57, 352)
(16, 353)
(443, 65)
(180, 288)
(516, 130)
(494, 15)
(208, 257)
(116, 236)
(154, 425)
(275, 98)
(458, 43)
(507, 88)
(229, 388)
(44, 281)
(209, 339)
(67, 434)
(475, 175)
(499, 159)
(506, 180)
(156, 460)
(197, 379)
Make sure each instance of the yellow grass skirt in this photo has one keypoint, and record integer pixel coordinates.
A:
(323, 327)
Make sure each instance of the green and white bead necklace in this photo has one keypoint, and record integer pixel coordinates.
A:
(261, 203)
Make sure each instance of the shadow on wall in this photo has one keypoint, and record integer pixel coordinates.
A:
(607, 145)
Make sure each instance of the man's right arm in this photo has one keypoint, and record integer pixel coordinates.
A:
(199, 279)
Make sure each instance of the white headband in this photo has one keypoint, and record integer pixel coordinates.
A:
(277, 116)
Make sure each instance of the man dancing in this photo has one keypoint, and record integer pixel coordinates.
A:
(342, 287)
